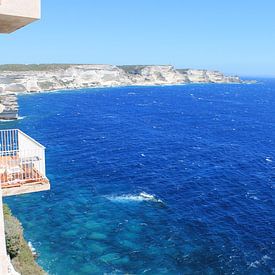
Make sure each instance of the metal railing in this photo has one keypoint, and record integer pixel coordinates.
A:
(22, 159)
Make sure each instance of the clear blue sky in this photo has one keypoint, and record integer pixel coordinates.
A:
(235, 36)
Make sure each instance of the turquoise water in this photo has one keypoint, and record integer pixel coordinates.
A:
(205, 151)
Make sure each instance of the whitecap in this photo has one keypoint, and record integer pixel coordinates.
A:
(254, 198)
(143, 196)
(33, 250)
(143, 104)
(268, 159)
(12, 120)
(252, 195)
(266, 258)
(254, 264)
(6, 120)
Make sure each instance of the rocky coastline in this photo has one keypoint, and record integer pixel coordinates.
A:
(18, 79)
(22, 258)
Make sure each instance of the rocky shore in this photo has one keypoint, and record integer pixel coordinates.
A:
(8, 106)
(16, 79)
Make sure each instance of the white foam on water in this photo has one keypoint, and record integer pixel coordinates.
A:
(5, 120)
(252, 195)
(254, 264)
(134, 198)
(254, 198)
(33, 250)
(12, 120)
(268, 159)
(266, 257)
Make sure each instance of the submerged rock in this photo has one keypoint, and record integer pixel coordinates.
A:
(97, 248)
(97, 236)
(108, 258)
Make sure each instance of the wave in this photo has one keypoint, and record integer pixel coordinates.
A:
(12, 120)
(143, 196)
(33, 250)
(6, 120)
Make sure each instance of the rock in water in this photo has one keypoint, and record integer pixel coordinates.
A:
(8, 106)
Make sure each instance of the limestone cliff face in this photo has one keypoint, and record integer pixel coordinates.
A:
(8, 105)
(153, 75)
(205, 76)
(75, 76)
(15, 79)
(81, 76)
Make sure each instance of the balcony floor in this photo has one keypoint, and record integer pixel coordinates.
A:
(26, 188)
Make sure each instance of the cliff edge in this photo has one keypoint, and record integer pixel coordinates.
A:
(22, 257)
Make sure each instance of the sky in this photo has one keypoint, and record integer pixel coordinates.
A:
(234, 36)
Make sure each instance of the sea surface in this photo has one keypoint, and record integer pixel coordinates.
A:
(203, 155)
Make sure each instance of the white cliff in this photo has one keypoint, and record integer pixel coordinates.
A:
(153, 75)
(8, 105)
(74, 76)
(81, 76)
(206, 76)
(16, 79)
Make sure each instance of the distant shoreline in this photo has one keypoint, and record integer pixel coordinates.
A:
(126, 86)
(27, 79)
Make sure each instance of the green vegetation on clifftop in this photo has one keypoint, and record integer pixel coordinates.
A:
(33, 67)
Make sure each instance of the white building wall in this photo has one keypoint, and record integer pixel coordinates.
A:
(22, 8)
(15, 14)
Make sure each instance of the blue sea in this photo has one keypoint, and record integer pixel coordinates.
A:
(153, 180)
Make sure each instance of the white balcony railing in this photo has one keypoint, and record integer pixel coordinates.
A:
(22, 159)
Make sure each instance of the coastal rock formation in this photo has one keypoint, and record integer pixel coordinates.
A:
(21, 260)
(35, 78)
(206, 76)
(153, 75)
(70, 77)
(8, 105)
(16, 79)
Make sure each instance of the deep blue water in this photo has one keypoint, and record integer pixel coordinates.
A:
(206, 151)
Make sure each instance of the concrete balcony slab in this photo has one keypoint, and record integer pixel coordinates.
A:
(15, 14)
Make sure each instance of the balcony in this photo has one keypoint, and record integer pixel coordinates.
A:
(15, 14)
(22, 164)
